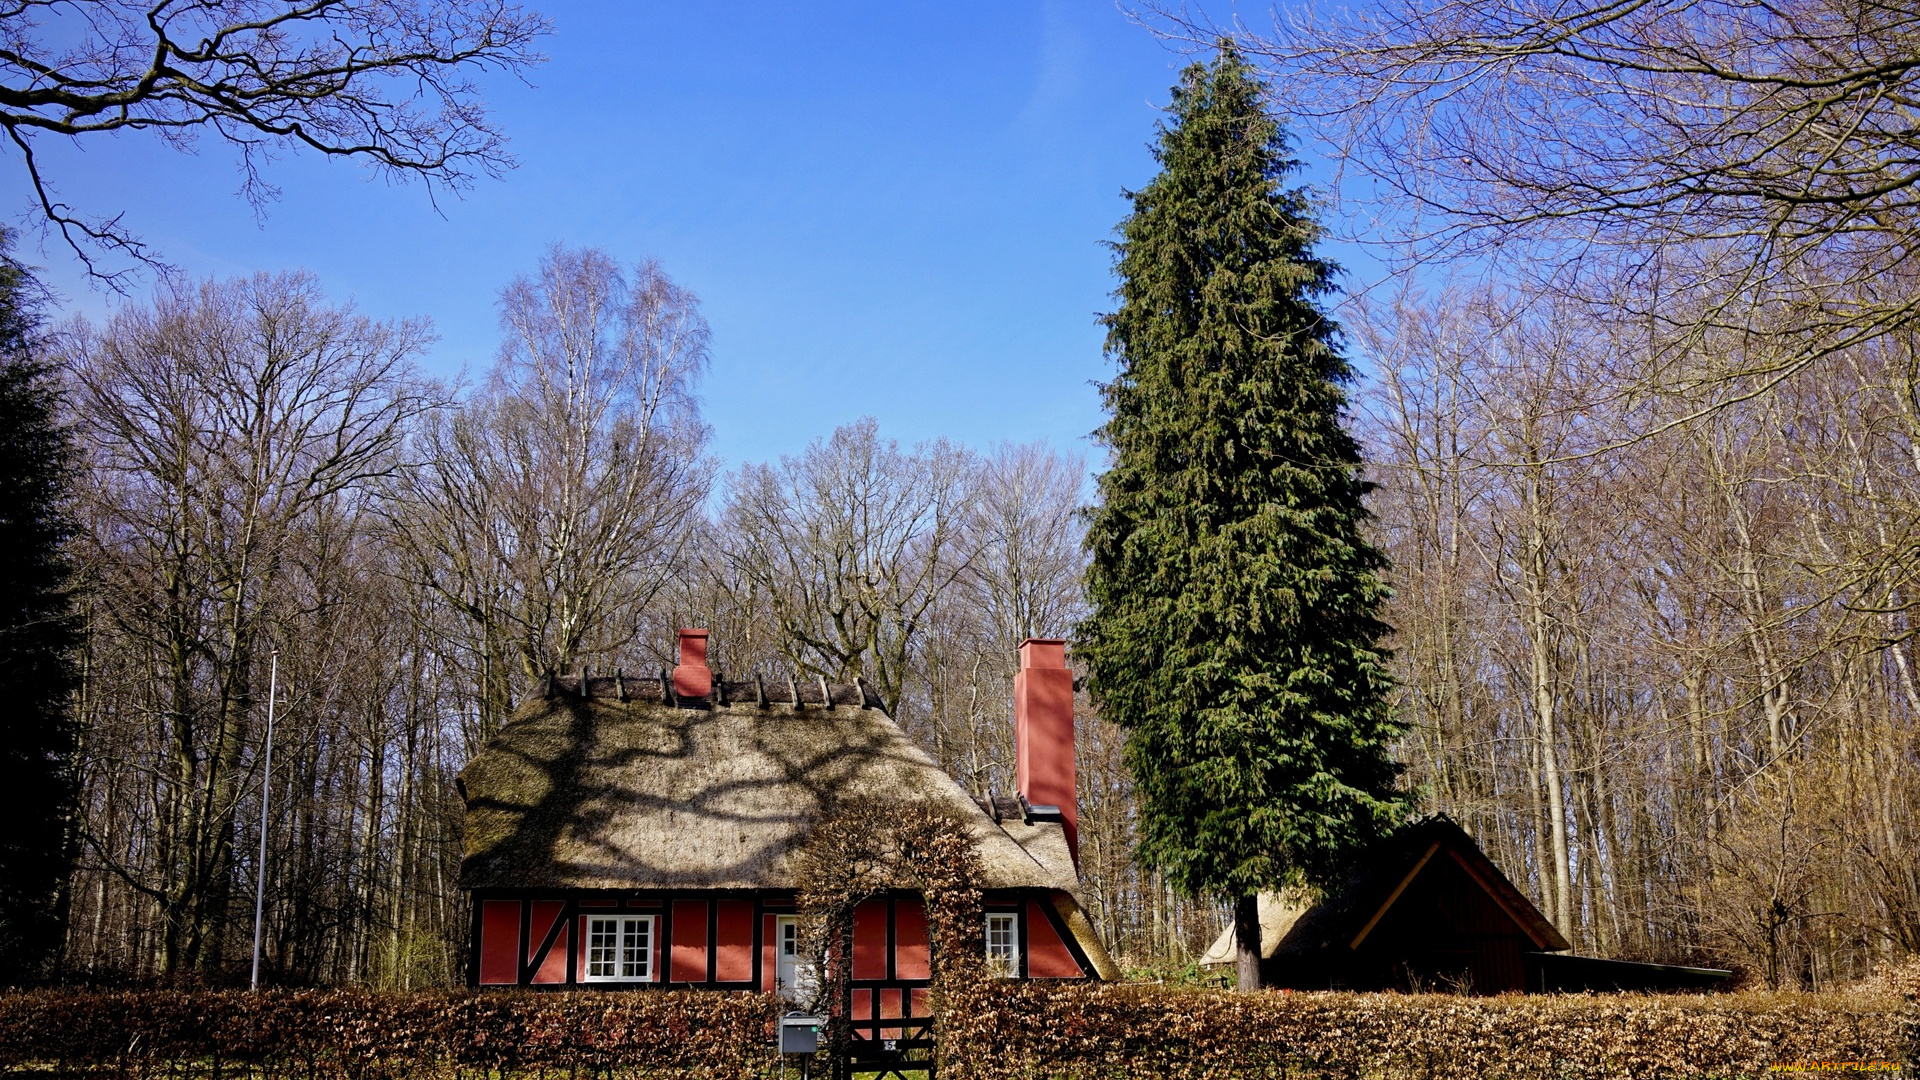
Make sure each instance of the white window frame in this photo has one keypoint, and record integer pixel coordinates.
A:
(1006, 961)
(625, 925)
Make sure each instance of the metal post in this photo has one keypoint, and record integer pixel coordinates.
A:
(266, 779)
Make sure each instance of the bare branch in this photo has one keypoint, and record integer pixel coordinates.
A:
(391, 84)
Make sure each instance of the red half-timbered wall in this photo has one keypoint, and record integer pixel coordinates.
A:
(726, 941)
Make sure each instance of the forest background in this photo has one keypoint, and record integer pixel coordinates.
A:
(1691, 650)
(1646, 474)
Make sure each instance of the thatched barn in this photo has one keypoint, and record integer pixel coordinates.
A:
(1426, 910)
(627, 833)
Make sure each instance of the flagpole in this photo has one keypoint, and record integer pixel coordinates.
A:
(266, 778)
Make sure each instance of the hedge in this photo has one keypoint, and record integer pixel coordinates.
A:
(1021, 1031)
(357, 1035)
(998, 1031)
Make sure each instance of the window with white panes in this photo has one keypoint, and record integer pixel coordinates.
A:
(619, 947)
(1003, 944)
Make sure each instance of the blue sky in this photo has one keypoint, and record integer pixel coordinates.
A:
(887, 209)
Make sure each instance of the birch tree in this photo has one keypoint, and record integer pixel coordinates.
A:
(552, 508)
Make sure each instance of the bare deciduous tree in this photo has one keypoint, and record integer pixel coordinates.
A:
(1713, 167)
(1713, 620)
(1023, 530)
(851, 545)
(219, 424)
(1024, 580)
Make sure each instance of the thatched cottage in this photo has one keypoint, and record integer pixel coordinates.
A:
(632, 834)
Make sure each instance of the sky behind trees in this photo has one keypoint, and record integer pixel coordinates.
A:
(886, 210)
(1651, 512)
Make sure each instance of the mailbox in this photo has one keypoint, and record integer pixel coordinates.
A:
(800, 1034)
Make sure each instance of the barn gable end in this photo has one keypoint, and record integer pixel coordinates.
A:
(1426, 910)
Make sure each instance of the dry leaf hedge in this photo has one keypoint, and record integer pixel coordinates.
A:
(1036, 1029)
(998, 1031)
(358, 1035)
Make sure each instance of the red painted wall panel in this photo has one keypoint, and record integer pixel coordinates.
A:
(1047, 955)
(684, 956)
(870, 940)
(911, 960)
(554, 968)
(918, 1002)
(733, 944)
(769, 970)
(499, 942)
(689, 941)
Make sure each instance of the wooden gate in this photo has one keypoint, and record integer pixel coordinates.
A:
(901, 1048)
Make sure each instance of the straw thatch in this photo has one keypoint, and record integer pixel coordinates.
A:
(620, 788)
(1278, 913)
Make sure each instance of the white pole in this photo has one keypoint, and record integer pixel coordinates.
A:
(266, 778)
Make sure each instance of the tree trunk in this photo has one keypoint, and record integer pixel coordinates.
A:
(1542, 674)
(1246, 938)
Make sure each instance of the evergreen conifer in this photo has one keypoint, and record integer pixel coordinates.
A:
(1235, 631)
(38, 640)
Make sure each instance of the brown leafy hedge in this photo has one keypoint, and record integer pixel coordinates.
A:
(1036, 1029)
(356, 1035)
(996, 1031)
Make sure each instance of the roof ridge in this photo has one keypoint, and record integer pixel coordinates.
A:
(658, 689)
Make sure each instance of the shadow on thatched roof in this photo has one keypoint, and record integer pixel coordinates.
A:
(627, 787)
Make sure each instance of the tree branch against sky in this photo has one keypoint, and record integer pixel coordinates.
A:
(1703, 166)
(390, 84)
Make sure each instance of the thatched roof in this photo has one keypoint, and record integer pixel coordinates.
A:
(621, 788)
(1292, 927)
(1278, 913)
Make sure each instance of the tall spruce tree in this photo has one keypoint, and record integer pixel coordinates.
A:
(1235, 631)
(38, 639)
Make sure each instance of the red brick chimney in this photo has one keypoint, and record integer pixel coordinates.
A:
(1043, 732)
(692, 678)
